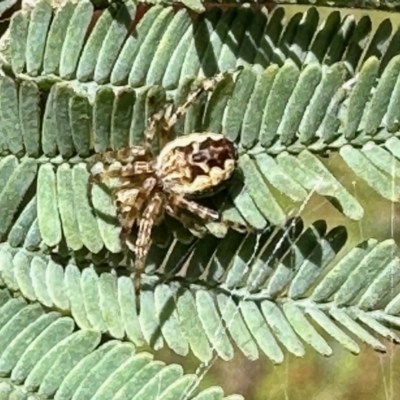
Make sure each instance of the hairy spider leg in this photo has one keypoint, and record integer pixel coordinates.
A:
(153, 124)
(165, 119)
(126, 202)
(209, 215)
(143, 241)
(158, 125)
(131, 197)
(205, 85)
(203, 212)
(101, 163)
(137, 168)
(125, 155)
(188, 222)
(126, 173)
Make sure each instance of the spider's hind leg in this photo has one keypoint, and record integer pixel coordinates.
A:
(202, 212)
(143, 242)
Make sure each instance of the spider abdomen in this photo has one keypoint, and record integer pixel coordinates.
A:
(196, 164)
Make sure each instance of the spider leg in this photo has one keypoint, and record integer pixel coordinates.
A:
(125, 155)
(203, 212)
(157, 126)
(209, 215)
(129, 199)
(205, 85)
(187, 222)
(137, 168)
(143, 241)
(100, 172)
(110, 163)
(152, 124)
(126, 200)
(165, 118)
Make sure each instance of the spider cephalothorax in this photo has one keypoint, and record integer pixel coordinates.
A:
(148, 186)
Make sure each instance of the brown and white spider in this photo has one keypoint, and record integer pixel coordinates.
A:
(190, 166)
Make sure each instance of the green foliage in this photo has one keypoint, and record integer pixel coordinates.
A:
(42, 350)
(293, 93)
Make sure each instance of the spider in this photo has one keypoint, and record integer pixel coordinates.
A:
(188, 167)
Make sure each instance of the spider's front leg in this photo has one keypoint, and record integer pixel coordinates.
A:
(157, 126)
(200, 87)
(165, 119)
(125, 155)
(109, 163)
(101, 172)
